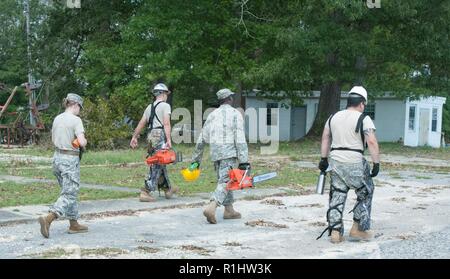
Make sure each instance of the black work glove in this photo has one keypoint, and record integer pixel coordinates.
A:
(244, 166)
(375, 169)
(323, 164)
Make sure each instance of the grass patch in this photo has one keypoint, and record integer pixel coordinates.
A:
(415, 167)
(13, 194)
(395, 175)
(422, 177)
(132, 175)
(148, 249)
(29, 150)
(126, 167)
(422, 151)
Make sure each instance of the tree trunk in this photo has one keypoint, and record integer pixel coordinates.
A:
(239, 102)
(330, 98)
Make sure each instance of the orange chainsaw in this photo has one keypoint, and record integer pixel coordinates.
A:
(164, 157)
(240, 180)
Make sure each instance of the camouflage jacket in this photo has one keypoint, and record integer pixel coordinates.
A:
(224, 131)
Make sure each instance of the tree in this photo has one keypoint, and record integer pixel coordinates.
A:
(195, 46)
(333, 45)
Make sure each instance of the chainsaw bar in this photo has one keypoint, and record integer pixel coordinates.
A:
(264, 177)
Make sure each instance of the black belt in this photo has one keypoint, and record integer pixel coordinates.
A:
(348, 149)
(68, 152)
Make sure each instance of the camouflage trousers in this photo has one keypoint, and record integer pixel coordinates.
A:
(66, 168)
(221, 195)
(158, 176)
(343, 178)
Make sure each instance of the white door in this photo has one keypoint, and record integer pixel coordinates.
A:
(424, 126)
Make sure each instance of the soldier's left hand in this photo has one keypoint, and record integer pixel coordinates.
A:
(375, 169)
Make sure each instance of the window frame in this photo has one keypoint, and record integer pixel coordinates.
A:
(434, 121)
(413, 119)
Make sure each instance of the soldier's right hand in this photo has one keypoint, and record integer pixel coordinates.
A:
(75, 143)
(134, 142)
(323, 164)
(244, 166)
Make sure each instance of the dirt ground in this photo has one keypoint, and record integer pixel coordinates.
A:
(410, 220)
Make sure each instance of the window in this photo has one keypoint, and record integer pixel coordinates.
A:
(434, 120)
(370, 110)
(271, 115)
(412, 117)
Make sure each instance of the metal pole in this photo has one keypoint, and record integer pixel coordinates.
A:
(30, 75)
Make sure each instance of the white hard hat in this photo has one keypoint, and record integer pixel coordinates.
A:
(361, 91)
(160, 88)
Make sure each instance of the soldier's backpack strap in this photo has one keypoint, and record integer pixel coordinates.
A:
(329, 124)
(152, 116)
(359, 128)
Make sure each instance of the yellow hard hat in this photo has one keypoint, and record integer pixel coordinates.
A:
(190, 175)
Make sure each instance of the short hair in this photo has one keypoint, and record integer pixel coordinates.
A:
(354, 100)
(68, 103)
(229, 98)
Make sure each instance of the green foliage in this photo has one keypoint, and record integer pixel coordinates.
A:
(104, 122)
(446, 120)
(196, 48)
(116, 50)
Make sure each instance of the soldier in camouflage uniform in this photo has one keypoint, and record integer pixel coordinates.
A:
(224, 131)
(157, 116)
(346, 132)
(66, 128)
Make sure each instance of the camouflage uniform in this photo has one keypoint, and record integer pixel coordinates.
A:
(158, 175)
(345, 176)
(66, 161)
(66, 168)
(224, 131)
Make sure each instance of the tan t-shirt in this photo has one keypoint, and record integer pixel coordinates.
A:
(66, 127)
(162, 109)
(343, 124)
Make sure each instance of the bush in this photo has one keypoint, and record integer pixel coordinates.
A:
(104, 122)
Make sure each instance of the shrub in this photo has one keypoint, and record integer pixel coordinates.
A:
(104, 122)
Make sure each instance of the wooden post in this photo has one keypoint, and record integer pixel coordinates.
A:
(8, 101)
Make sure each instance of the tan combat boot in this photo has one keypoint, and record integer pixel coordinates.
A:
(356, 234)
(210, 212)
(77, 228)
(145, 196)
(169, 193)
(336, 237)
(230, 213)
(45, 222)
